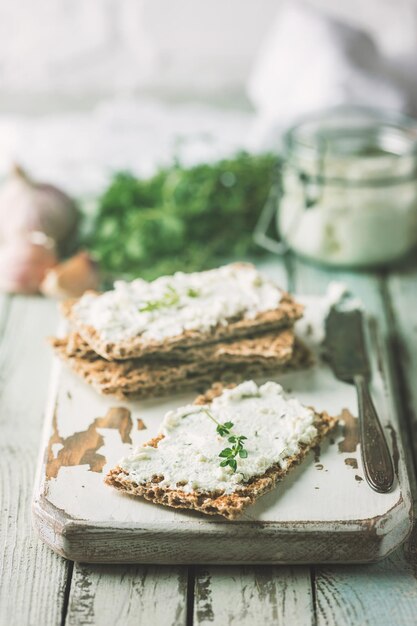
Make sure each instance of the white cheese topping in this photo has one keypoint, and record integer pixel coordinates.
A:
(188, 455)
(349, 224)
(170, 305)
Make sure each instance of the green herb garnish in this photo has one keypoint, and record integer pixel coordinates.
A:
(230, 454)
(181, 218)
(169, 299)
(236, 450)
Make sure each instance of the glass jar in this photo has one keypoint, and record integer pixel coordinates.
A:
(348, 189)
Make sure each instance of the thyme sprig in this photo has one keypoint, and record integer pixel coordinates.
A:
(170, 298)
(230, 454)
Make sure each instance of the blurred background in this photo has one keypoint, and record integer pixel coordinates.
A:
(92, 88)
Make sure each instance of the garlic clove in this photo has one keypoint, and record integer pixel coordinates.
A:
(24, 264)
(27, 206)
(72, 278)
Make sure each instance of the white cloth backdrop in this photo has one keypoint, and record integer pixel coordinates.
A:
(89, 86)
(181, 47)
(319, 54)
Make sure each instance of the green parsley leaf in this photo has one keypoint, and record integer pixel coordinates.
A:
(229, 454)
(233, 464)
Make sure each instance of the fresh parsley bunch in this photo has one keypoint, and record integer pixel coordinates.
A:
(181, 218)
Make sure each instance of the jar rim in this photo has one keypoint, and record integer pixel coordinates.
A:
(332, 117)
(347, 133)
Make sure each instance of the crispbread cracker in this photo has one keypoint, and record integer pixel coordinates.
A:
(264, 346)
(135, 378)
(284, 315)
(229, 506)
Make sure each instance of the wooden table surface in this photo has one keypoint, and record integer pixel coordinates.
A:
(39, 588)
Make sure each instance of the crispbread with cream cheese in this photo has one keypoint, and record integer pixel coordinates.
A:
(270, 309)
(138, 378)
(227, 502)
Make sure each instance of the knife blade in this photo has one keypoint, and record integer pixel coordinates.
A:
(346, 350)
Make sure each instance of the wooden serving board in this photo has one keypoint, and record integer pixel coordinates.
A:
(324, 511)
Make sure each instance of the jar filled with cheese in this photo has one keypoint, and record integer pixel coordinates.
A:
(347, 191)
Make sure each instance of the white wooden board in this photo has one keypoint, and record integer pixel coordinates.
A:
(324, 511)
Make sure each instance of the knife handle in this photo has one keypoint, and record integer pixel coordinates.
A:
(376, 457)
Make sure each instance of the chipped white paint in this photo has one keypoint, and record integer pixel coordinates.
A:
(128, 595)
(271, 596)
(322, 512)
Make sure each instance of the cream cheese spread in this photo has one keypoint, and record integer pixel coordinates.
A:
(170, 305)
(188, 456)
(350, 225)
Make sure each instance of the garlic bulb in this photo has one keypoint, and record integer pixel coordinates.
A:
(27, 206)
(71, 278)
(24, 262)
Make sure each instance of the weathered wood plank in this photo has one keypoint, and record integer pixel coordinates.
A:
(310, 279)
(383, 594)
(33, 579)
(271, 596)
(402, 301)
(105, 595)
(402, 291)
(25, 363)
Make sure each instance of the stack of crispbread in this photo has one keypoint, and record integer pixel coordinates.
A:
(143, 339)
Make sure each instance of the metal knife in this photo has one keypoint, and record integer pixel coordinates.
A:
(347, 352)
